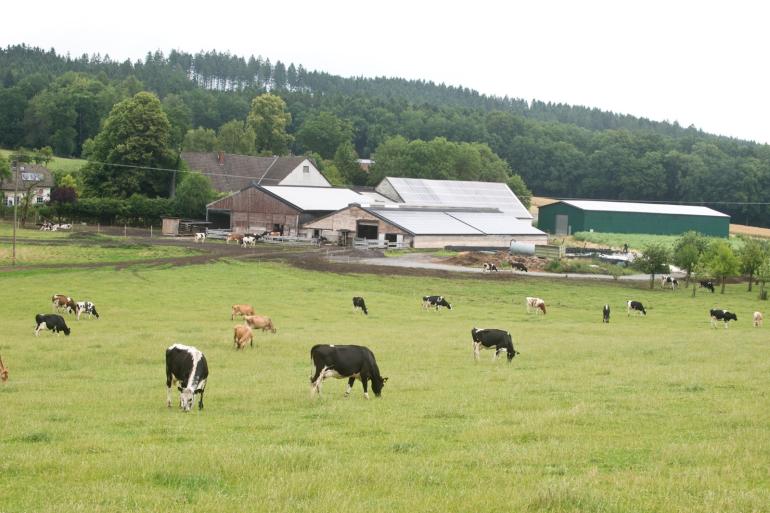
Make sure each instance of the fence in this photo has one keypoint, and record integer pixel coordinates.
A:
(376, 244)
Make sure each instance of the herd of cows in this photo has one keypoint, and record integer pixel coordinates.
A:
(186, 366)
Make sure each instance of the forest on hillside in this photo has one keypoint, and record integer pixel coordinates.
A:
(408, 127)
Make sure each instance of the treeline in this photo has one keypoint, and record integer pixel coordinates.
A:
(559, 150)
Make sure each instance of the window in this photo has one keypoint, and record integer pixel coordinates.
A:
(305, 169)
(39, 199)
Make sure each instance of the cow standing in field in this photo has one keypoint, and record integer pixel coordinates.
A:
(518, 266)
(606, 314)
(758, 319)
(669, 280)
(489, 267)
(435, 301)
(490, 338)
(358, 302)
(260, 322)
(721, 315)
(234, 237)
(200, 237)
(242, 334)
(345, 362)
(243, 310)
(187, 366)
(249, 240)
(3, 371)
(86, 307)
(53, 322)
(62, 303)
(536, 304)
(635, 306)
(707, 284)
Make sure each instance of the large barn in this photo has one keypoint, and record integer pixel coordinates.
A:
(567, 217)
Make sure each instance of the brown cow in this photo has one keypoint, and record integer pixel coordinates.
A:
(237, 237)
(61, 302)
(3, 371)
(259, 322)
(241, 310)
(242, 334)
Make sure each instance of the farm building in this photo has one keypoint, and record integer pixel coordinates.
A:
(282, 209)
(403, 225)
(31, 178)
(567, 217)
(231, 173)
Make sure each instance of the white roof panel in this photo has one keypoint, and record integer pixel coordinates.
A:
(451, 193)
(320, 198)
(428, 223)
(497, 224)
(644, 208)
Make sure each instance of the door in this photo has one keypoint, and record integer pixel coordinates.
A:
(562, 224)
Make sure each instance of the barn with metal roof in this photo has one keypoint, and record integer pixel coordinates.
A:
(569, 216)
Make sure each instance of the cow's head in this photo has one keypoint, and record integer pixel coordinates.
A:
(511, 354)
(186, 398)
(377, 384)
(66, 331)
(445, 303)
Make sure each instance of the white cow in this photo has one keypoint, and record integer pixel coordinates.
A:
(200, 237)
(536, 304)
(758, 318)
(249, 240)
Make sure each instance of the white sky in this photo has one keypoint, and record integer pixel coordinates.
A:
(696, 62)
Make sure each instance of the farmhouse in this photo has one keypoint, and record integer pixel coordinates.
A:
(282, 209)
(33, 179)
(567, 217)
(231, 173)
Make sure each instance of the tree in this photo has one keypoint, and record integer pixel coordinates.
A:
(763, 275)
(180, 117)
(721, 261)
(653, 260)
(5, 169)
(193, 194)
(752, 255)
(132, 154)
(519, 188)
(236, 137)
(270, 119)
(324, 133)
(200, 139)
(687, 252)
(345, 160)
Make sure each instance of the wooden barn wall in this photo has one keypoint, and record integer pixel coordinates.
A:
(252, 210)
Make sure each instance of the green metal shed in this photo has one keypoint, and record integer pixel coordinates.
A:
(568, 216)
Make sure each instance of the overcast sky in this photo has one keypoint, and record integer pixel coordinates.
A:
(702, 63)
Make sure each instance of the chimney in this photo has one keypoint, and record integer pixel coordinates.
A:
(221, 158)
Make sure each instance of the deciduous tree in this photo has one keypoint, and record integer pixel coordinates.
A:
(270, 120)
(653, 260)
(688, 250)
(752, 255)
(721, 261)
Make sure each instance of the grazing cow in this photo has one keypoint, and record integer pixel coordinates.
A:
(187, 366)
(636, 306)
(606, 314)
(345, 362)
(53, 322)
(234, 237)
(707, 284)
(518, 266)
(669, 280)
(3, 371)
(62, 303)
(437, 301)
(86, 307)
(259, 322)
(758, 319)
(242, 334)
(249, 240)
(489, 267)
(243, 310)
(490, 338)
(536, 304)
(721, 315)
(200, 237)
(358, 302)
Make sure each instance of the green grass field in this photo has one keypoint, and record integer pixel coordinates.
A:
(639, 240)
(655, 414)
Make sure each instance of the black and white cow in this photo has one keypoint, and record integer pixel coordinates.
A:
(437, 301)
(518, 266)
(707, 284)
(345, 362)
(636, 306)
(187, 366)
(490, 338)
(358, 302)
(670, 281)
(606, 314)
(53, 322)
(86, 307)
(489, 267)
(721, 315)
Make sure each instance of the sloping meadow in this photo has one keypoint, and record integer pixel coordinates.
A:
(661, 413)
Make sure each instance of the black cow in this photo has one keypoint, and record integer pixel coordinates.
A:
(606, 314)
(53, 322)
(489, 267)
(707, 284)
(721, 315)
(358, 302)
(187, 366)
(437, 301)
(345, 362)
(518, 266)
(490, 338)
(636, 306)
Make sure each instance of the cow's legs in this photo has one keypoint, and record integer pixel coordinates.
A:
(316, 380)
(350, 386)
(365, 383)
(476, 348)
(200, 402)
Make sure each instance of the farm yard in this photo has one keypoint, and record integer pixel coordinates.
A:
(657, 413)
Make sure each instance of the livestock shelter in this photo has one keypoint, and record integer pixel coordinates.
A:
(401, 225)
(281, 209)
(231, 173)
(567, 217)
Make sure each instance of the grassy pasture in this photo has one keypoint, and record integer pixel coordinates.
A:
(655, 414)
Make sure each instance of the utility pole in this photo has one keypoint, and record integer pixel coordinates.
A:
(15, 201)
